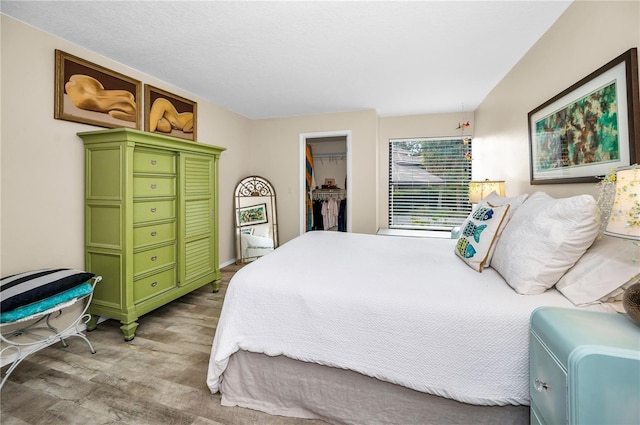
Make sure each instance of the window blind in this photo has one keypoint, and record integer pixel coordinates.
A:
(429, 183)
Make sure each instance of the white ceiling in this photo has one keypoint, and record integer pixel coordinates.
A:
(267, 59)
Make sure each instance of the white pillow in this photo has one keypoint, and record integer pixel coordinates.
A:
(601, 273)
(478, 234)
(514, 203)
(252, 241)
(544, 238)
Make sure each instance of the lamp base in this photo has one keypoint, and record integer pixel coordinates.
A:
(631, 302)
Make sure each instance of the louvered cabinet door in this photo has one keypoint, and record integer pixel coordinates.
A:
(198, 229)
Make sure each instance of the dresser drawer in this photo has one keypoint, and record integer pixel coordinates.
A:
(153, 162)
(153, 234)
(547, 384)
(150, 259)
(147, 287)
(153, 210)
(153, 186)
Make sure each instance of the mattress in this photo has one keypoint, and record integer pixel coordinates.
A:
(403, 310)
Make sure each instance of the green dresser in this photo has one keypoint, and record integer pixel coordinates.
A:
(151, 227)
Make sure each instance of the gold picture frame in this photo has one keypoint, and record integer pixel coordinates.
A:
(169, 114)
(92, 94)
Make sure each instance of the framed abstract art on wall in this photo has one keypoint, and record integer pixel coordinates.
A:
(590, 128)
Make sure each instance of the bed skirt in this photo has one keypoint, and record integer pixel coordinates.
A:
(286, 387)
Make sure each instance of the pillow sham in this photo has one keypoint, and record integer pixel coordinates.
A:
(514, 203)
(601, 272)
(28, 287)
(544, 238)
(478, 234)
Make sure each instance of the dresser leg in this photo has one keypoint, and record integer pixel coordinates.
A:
(215, 285)
(129, 330)
(92, 324)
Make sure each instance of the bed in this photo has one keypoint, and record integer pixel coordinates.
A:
(355, 328)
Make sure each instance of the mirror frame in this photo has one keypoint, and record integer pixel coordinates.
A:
(255, 187)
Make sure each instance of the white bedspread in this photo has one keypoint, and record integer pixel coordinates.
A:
(403, 310)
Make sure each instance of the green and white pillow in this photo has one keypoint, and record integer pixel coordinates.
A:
(479, 233)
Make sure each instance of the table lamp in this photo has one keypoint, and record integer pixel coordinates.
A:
(624, 222)
(479, 189)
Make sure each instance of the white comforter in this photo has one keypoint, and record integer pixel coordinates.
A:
(403, 310)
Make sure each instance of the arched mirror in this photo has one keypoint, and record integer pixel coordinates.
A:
(256, 219)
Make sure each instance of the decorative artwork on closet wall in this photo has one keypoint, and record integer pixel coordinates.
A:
(254, 214)
(92, 94)
(589, 128)
(169, 114)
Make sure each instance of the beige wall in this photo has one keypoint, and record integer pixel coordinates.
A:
(407, 127)
(43, 163)
(276, 156)
(587, 36)
(42, 158)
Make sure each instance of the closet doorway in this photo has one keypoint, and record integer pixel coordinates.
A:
(325, 160)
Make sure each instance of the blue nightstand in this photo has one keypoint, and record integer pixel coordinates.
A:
(584, 368)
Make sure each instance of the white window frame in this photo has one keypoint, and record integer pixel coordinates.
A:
(442, 191)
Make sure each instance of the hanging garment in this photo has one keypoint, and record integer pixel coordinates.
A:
(332, 208)
(309, 185)
(342, 216)
(330, 213)
(325, 215)
(317, 216)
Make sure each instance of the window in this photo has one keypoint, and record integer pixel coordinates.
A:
(429, 183)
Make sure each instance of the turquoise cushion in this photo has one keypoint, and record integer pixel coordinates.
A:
(28, 287)
(46, 304)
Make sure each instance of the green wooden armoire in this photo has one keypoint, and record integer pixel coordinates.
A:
(151, 222)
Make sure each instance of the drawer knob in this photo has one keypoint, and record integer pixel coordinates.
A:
(153, 186)
(153, 210)
(154, 284)
(154, 233)
(539, 385)
(154, 258)
(153, 162)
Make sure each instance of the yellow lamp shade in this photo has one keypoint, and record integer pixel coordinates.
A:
(479, 189)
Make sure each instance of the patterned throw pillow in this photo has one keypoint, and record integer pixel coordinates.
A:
(478, 234)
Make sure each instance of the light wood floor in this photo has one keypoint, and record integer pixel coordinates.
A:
(158, 378)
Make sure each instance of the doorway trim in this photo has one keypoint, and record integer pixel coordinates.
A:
(302, 162)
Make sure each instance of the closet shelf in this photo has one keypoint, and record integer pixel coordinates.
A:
(336, 155)
(322, 194)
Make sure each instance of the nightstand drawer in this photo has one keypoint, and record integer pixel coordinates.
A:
(145, 187)
(153, 162)
(547, 384)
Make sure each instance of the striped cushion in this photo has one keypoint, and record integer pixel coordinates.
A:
(26, 288)
(47, 305)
